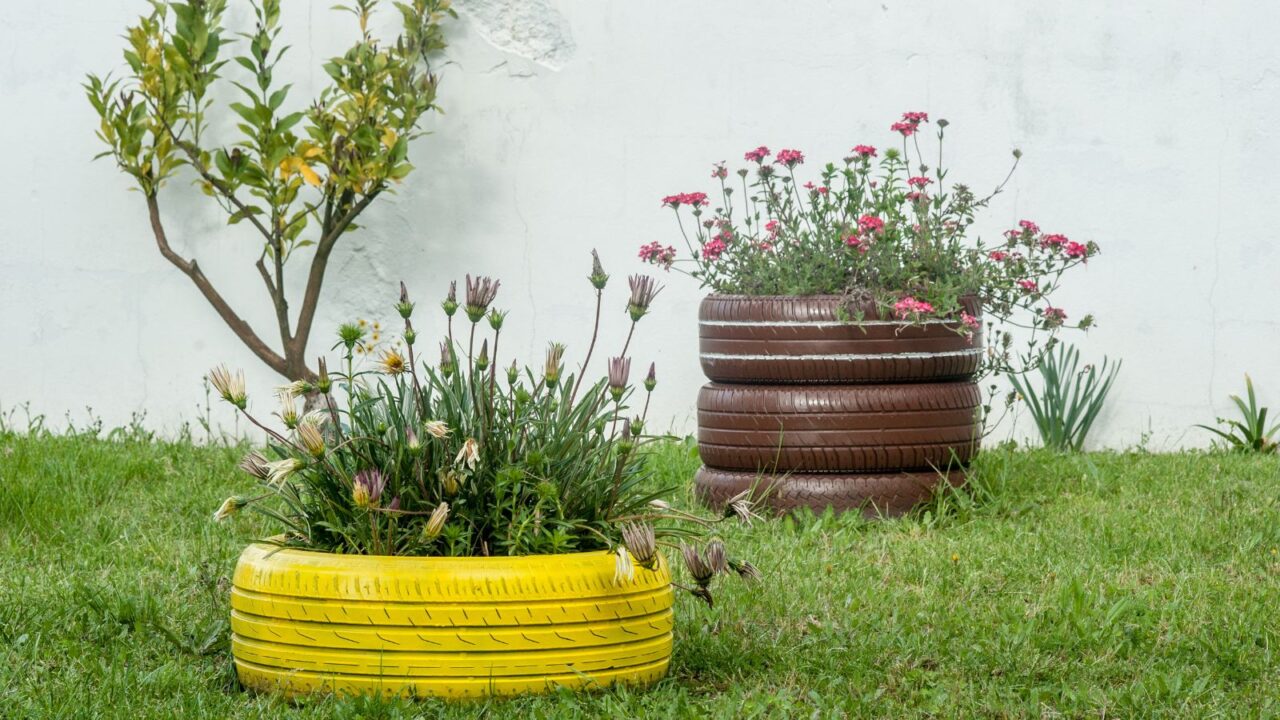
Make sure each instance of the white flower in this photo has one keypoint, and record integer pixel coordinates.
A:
(229, 507)
(229, 386)
(436, 428)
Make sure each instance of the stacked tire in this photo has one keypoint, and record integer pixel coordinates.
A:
(813, 405)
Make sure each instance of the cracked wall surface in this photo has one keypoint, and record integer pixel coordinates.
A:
(1149, 130)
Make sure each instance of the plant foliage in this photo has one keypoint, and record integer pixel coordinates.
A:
(1250, 433)
(1069, 398)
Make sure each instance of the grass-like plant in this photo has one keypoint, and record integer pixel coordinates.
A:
(468, 457)
(1250, 433)
(1069, 398)
(300, 175)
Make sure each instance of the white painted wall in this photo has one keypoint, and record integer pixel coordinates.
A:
(1148, 127)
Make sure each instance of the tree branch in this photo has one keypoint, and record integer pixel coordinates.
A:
(311, 298)
(192, 270)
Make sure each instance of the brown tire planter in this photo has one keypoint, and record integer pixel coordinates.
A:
(812, 410)
(804, 340)
(873, 494)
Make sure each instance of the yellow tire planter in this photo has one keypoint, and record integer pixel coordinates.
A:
(312, 622)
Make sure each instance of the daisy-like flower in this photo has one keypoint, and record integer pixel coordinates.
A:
(697, 566)
(229, 386)
(435, 523)
(469, 455)
(295, 389)
(643, 291)
(436, 428)
(640, 540)
(717, 559)
(288, 413)
(623, 570)
(281, 470)
(391, 362)
(367, 487)
(741, 506)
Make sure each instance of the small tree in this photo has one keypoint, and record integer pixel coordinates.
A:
(299, 178)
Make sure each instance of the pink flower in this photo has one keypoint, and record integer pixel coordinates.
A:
(969, 320)
(694, 198)
(713, 248)
(810, 186)
(1076, 250)
(719, 171)
(757, 155)
(854, 241)
(1054, 240)
(823, 190)
(870, 223)
(724, 236)
(765, 245)
(864, 151)
(789, 158)
(772, 227)
(1029, 226)
(1054, 315)
(907, 129)
(1028, 285)
(915, 118)
(919, 182)
(910, 306)
(918, 196)
(998, 255)
(658, 255)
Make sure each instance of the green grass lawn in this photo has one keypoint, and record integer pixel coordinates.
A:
(1100, 585)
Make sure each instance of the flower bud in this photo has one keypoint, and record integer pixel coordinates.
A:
(404, 307)
(450, 482)
(229, 386)
(598, 276)
(323, 382)
(496, 317)
(651, 380)
(448, 363)
(619, 370)
(435, 524)
(410, 335)
(643, 291)
(412, 442)
(229, 507)
(551, 368)
(513, 373)
(482, 360)
(450, 303)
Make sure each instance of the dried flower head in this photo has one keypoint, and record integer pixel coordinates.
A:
(619, 372)
(404, 307)
(367, 487)
(741, 506)
(717, 558)
(660, 505)
(295, 389)
(551, 368)
(697, 566)
(436, 428)
(469, 455)
(598, 276)
(651, 380)
(643, 290)
(229, 386)
(391, 362)
(281, 470)
(256, 465)
(229, 507)
(310, 437)
(623, 570)
(450, 302)
(435, 523)
(639, 538)
(480, 293)
(745, 570)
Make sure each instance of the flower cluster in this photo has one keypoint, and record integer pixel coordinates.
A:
(452, 460)
(884, 227)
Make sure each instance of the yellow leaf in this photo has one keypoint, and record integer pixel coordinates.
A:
(389, 138)
(308, 174)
